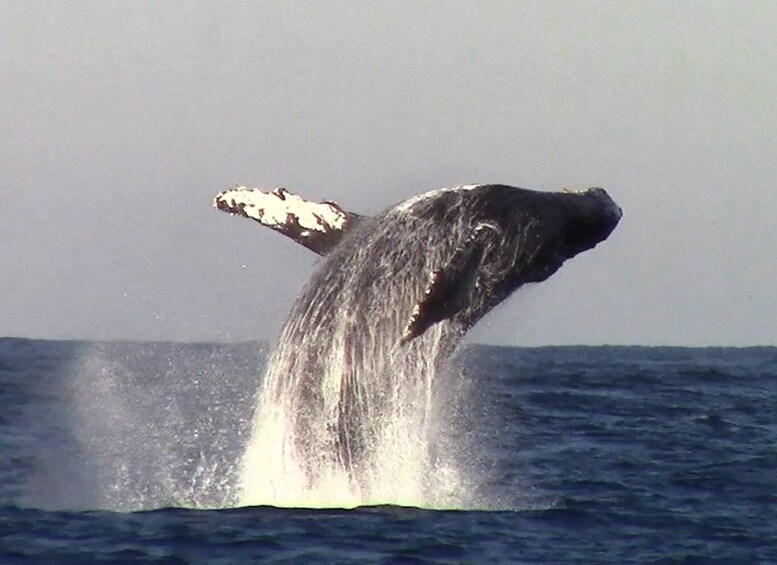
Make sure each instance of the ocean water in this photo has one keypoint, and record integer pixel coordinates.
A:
(130, 452)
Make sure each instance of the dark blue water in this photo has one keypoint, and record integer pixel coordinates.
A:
(127, 453)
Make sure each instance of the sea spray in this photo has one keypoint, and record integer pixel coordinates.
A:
(136, 426)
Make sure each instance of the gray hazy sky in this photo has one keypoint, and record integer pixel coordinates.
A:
(120, 121)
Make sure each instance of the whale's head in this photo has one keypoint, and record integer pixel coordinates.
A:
(589, 217)
(567, 224)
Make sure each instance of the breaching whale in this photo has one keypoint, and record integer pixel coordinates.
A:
(392, 299)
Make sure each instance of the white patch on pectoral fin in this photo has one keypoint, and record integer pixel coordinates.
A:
(319, 226)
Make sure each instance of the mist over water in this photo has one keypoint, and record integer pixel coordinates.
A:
(135, 426)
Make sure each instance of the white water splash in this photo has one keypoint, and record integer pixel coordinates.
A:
(402, 469)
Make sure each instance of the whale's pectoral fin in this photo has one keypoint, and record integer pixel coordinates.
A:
(449, 289)
(319, 226)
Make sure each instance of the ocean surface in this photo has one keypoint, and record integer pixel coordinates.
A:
(129, 452)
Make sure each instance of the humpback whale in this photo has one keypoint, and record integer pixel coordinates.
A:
(392, 298)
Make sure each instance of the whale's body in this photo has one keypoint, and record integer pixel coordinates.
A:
(394, 296)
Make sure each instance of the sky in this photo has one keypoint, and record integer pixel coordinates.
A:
(119, 121)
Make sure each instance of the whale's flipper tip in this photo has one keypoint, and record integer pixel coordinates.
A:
(319, 226)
